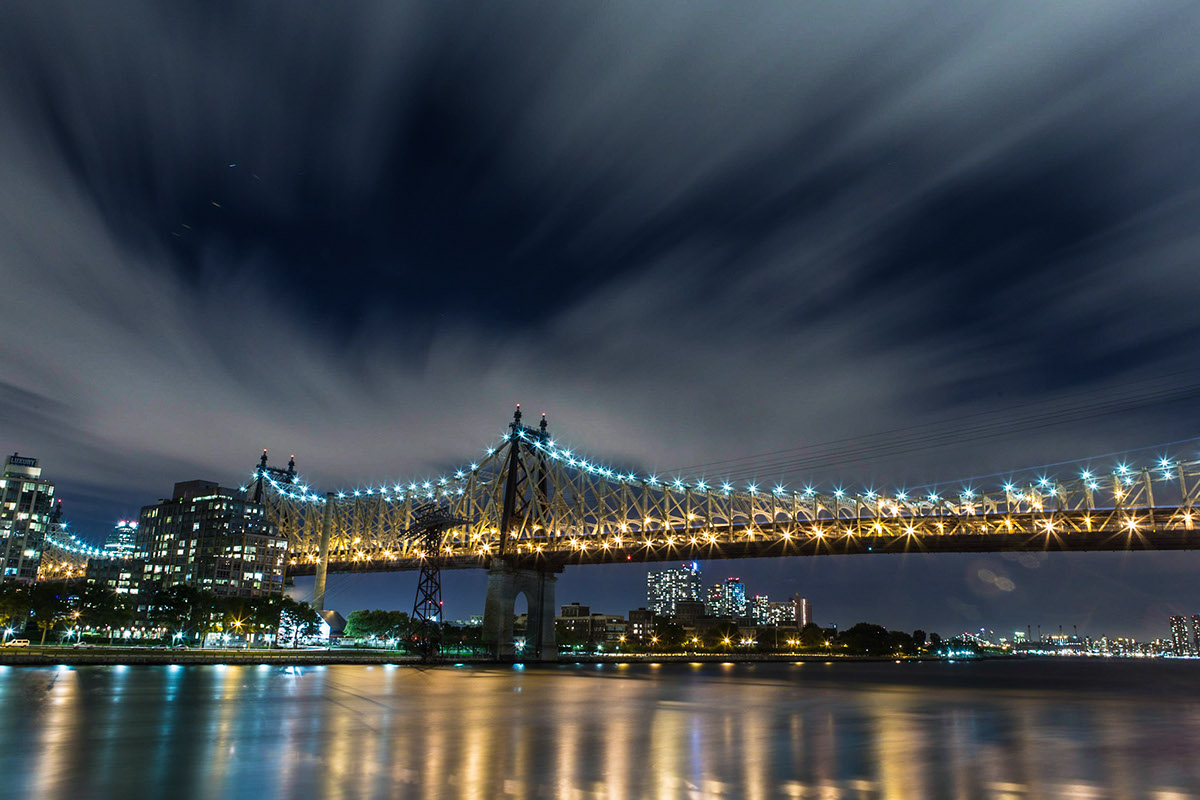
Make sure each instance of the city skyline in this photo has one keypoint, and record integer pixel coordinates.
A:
(785, 577)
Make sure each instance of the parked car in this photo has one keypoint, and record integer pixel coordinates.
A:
(82, 646)
(17, 643)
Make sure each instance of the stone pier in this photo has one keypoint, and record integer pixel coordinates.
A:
(505, 582)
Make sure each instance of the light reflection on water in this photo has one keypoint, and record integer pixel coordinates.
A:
(836, 732)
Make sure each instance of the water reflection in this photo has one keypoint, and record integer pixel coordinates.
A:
(622, 732)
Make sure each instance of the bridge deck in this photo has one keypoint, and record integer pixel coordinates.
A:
(1057, 531)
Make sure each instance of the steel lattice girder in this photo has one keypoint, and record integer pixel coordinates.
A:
(570, 511)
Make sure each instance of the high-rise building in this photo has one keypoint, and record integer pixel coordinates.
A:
(212, 538)
(803, 612)
(1196, 634)
(26, 512)
(122, 541)
(120, 575)
(727, 599)
(1180, 641)
(781, 613)
(667, 587)
(760, 609)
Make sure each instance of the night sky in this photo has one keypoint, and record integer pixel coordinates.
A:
(891, 244)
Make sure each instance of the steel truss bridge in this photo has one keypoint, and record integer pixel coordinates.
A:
(539, 505)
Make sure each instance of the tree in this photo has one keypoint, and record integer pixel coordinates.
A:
(186, 610)
(50, 606)
(900, 642)
(919, 638)
(297, 620)
(812, 636)
(867, 639)
(722, 636)
(14, 604)
(566, 638)
(377, 624)
(99, 608)
(671, 635)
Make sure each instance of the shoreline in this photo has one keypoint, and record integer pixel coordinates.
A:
(54, 656)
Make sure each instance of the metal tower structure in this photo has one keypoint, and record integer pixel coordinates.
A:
(525, 477)
(430, 523)
(277, 476)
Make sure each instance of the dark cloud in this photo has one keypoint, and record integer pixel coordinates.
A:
(689, 233)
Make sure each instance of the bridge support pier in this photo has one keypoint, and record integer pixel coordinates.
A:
(505, 582)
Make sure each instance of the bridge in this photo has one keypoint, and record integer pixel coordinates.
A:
(532, 507)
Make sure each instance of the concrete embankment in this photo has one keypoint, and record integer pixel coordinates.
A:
(50, 656)
(42, 656)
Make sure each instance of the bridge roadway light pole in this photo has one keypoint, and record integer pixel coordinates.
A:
(318, 601)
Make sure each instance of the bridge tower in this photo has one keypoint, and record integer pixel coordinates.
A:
(525, 503)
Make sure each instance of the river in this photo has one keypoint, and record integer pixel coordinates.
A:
(994, 729)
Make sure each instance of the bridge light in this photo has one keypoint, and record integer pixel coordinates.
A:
(1043, 481)
(778, 489)
(870, 495)
(1122, 468)
(357, 493)
(726, 487)
(809, 491)
(752, 488)
(1010, 488)
(702, 486)
(1086, 475)
(902, 496)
